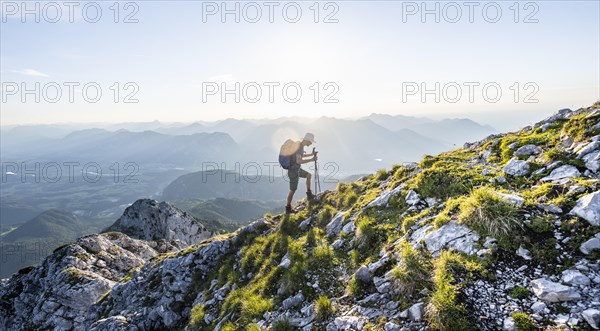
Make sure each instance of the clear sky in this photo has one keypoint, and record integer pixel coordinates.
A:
(374, 55)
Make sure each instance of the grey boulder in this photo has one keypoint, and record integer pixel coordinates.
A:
(588, 208)
(553, 292)
(591, 244)
(562, 172)
(528, 150)
(516, 167)
(592, 316)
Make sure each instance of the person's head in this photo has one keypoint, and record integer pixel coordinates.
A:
(308, 139)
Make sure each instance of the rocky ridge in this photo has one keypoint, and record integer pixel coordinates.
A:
(499, 235)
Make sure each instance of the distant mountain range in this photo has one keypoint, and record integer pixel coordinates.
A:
(147, 147)
(454, 131)
(362, 145)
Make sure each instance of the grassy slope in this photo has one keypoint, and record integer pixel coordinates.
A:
(464, 192)
(450, 177)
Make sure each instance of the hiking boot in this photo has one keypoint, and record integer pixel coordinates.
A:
(310, 196)
(289, 210)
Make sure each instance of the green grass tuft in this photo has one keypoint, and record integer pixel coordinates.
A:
(519, 292)
(413, 270)
(523, 322)
(445, 310)
(246, 303)
(196, 317)
(324, 308)
(540, 224)
(282, 325)
(489, 214)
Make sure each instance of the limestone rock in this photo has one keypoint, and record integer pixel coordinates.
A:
(528, 150)
(348, 323)
(384, 197)
(524, 253)
(592, 161)
(538, 307)
(363, 274)
(349, 228)
(515, 200)
(562, 172)
(551, 208)
(574, 277)
(150, 220)
(391, 326)
(412, 198)
(516, 167)
(588, 208)
(416, 311)
(454, 236)
(592, 317)
(334, 227)
(591, 244)
(553, 292)
(294, 301)
(509, 324)
(587, 148)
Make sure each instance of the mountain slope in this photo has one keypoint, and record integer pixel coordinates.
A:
(503, 233)
(227, 214)
(52, 223)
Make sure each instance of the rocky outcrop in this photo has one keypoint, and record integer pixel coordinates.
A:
(562, 172)
(58, 293)
(452, 235)
(150, 220)
(516, 167)
(588, 208)
(165, 291)
(384, 197)
(528, 150)
(512, 199)
(592, 316)
(334, 227)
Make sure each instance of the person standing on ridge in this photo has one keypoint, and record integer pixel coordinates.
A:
(291, 157)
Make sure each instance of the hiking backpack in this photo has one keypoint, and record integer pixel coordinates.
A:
(287, 152)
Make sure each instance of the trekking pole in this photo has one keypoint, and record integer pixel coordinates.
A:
(317, 179)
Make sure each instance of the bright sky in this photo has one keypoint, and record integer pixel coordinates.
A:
(378, 57)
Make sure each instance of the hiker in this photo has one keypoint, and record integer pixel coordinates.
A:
(291, 157)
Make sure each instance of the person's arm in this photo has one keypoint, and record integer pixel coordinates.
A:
(309, 154)
(303, 161)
